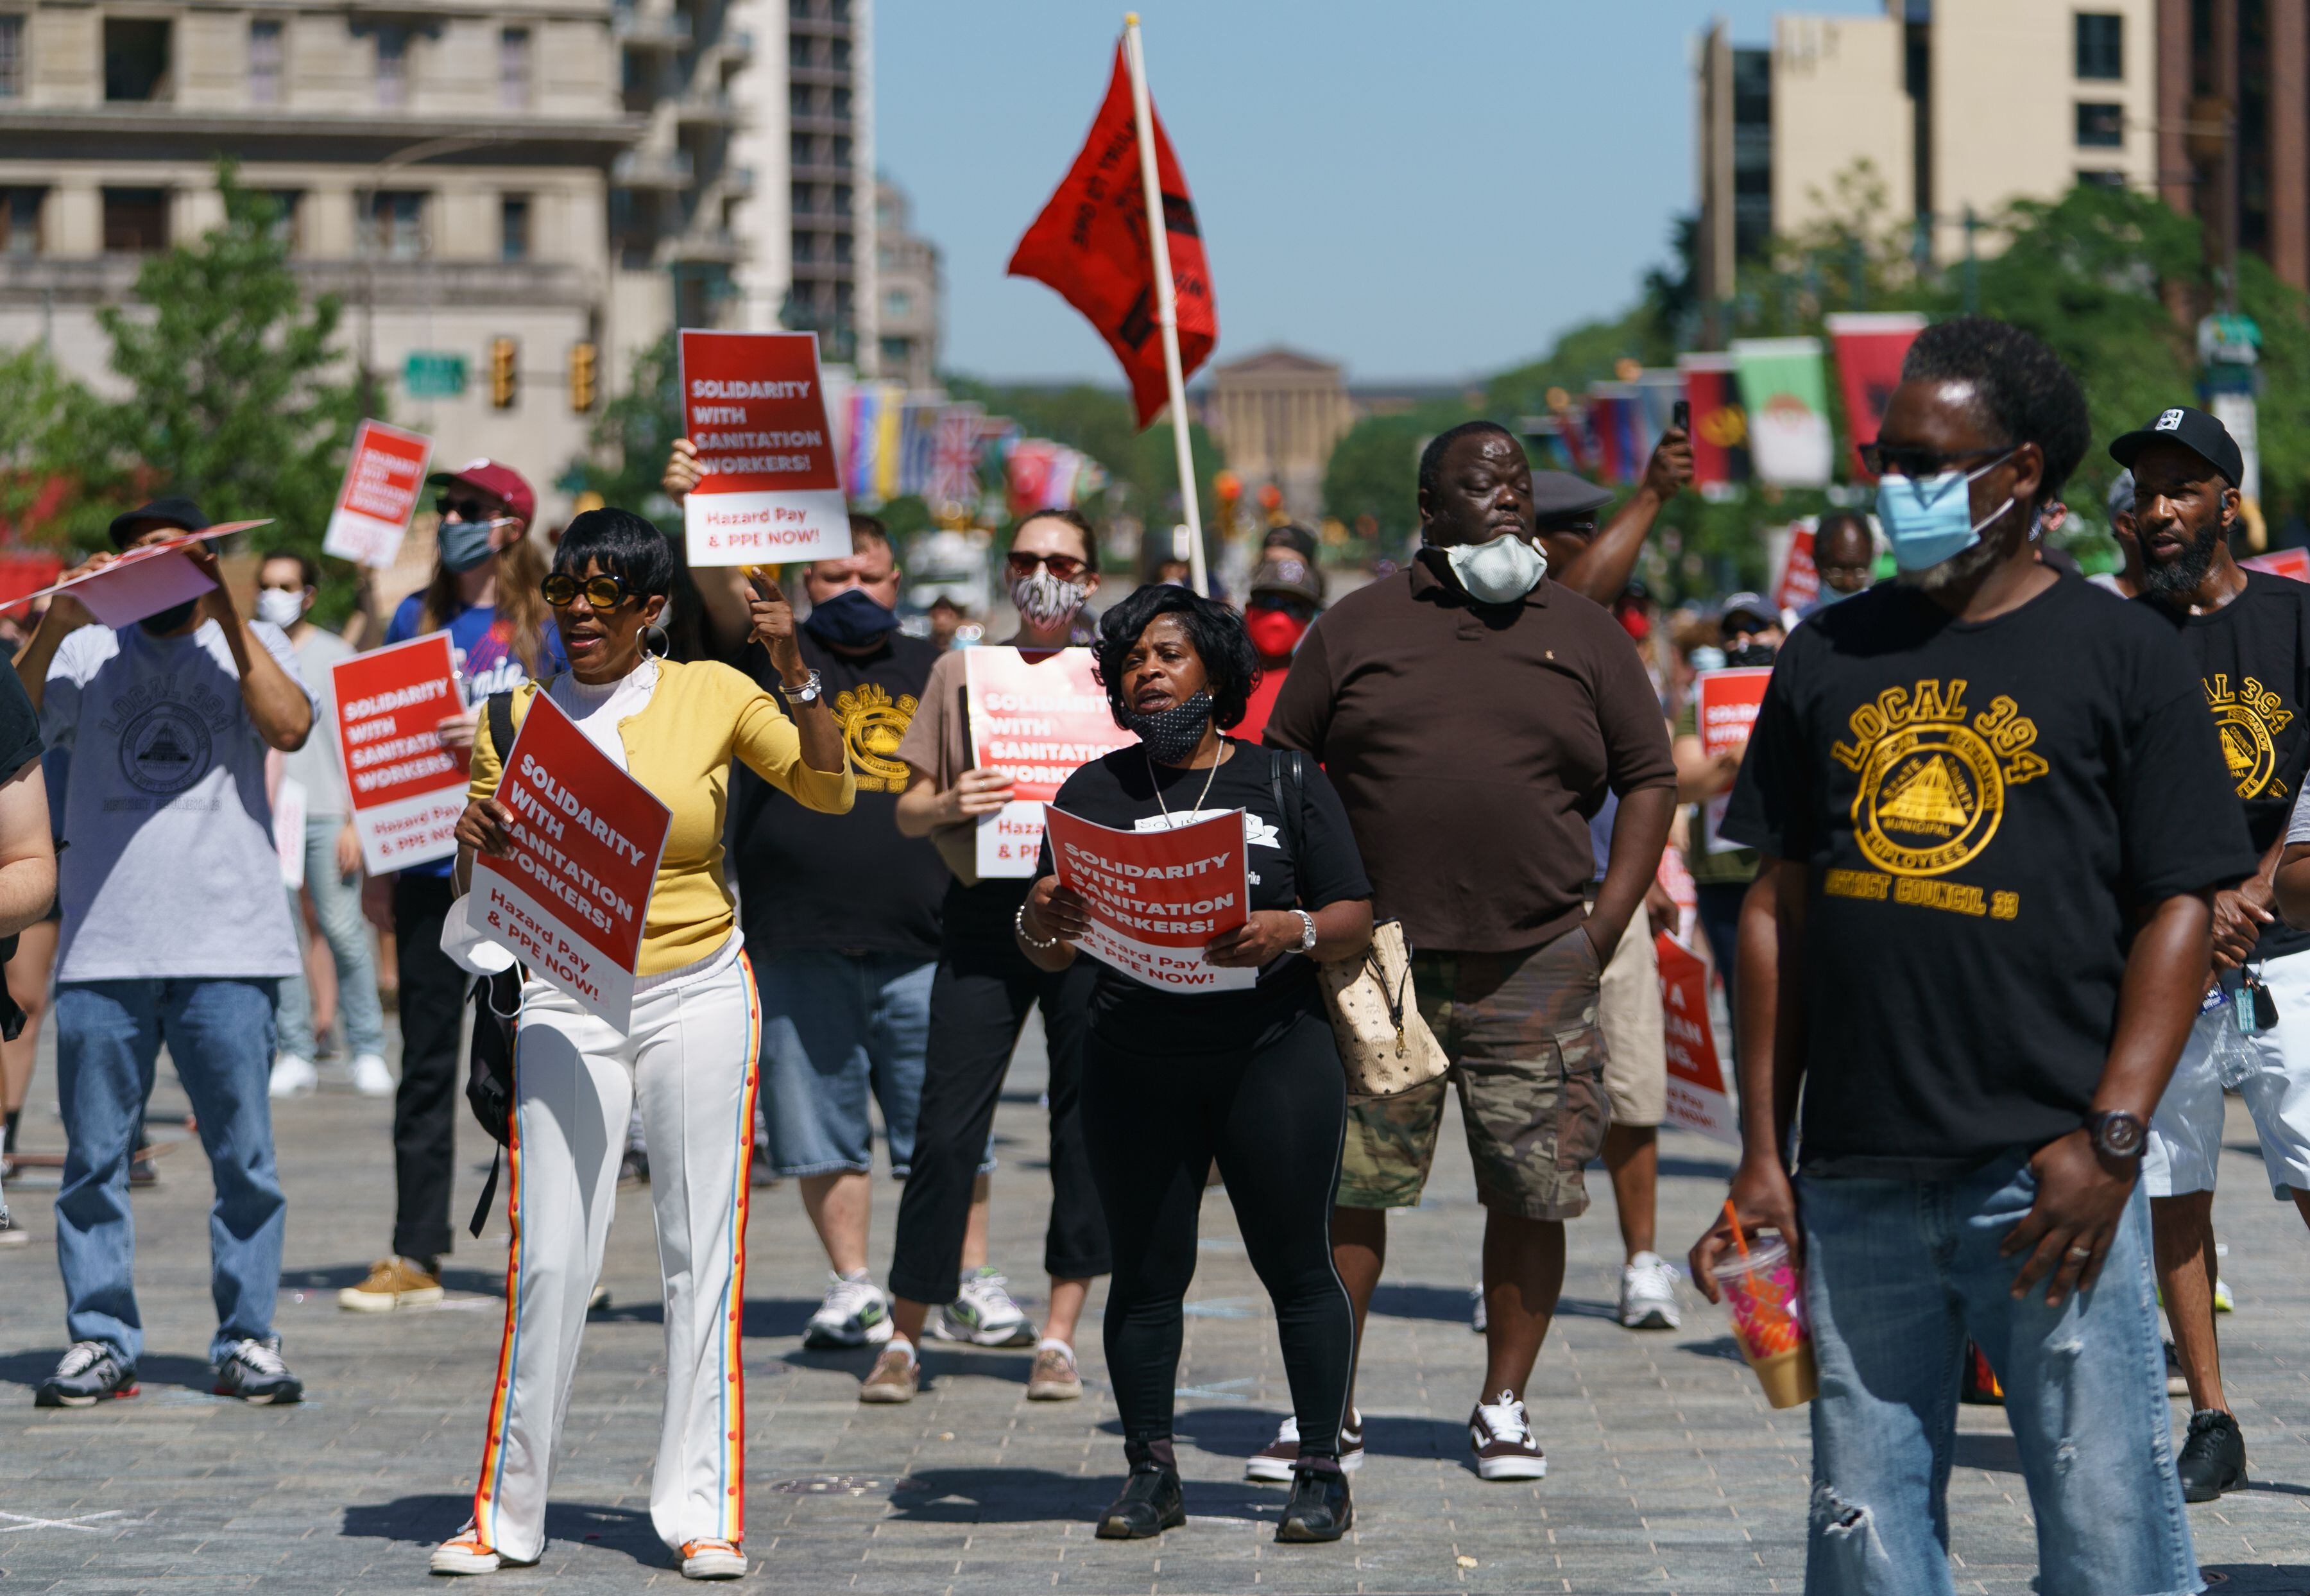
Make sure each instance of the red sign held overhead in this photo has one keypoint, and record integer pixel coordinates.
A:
(768, 492)
(383, 479)
(1038, 718)
(1157, 898)
(407, 789)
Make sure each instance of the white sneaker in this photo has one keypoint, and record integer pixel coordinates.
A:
(292, 1077)
(371, 1078)
(984, 1315)
(1502, 1440)
(1648, 1294)
(855, 1314)
(1477, 1319)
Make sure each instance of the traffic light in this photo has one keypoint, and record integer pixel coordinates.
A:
(505, 375)
(581, 377)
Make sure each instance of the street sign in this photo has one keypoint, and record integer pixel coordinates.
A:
(430, 374)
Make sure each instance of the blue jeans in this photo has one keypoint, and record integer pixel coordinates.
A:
(841, 1031)
(336, 905)
(219, 1034)
(1897, 1274)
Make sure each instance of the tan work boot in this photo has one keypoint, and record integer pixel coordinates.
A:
(1054, 1378)
(895, 1377)
(393, 1283)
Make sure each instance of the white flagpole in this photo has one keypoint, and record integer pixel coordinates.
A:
(1167, 304)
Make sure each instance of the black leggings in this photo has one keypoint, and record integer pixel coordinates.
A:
(1273, 1117)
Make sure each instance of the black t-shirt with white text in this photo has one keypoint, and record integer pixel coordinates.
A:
(1121, 790)
(1983, 807)
(2253, 658)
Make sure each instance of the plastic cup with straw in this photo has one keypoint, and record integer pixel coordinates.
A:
(1766, 1293)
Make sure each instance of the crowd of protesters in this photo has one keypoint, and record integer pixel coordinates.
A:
(2010, 882)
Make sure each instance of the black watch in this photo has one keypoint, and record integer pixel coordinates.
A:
(2118, 1134)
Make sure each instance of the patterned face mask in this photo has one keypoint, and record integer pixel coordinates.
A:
(1044, 600)
(1170, 735)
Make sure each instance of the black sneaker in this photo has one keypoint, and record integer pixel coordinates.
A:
(86, 1374)
(142, 1173)
(253, 1372)
(1319, 1508)
(2213, 1457)
(633, 1169)
(1149, 1505)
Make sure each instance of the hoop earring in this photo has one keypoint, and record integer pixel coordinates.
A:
(664, 640)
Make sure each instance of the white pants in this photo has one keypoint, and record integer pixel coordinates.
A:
(690, 1061)
(2185, 1134)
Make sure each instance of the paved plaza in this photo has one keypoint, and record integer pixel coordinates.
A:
(1667, 1472)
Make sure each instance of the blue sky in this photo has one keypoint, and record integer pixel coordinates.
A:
(1420, 188)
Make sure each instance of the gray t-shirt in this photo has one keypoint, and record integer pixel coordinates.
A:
(318, 765)
(169, 869)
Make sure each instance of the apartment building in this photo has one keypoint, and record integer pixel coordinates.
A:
(909, 315)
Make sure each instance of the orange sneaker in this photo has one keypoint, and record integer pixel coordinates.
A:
(712, 1560)
(465, 1552)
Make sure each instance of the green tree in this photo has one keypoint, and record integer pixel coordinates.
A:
(633, 435)
(1141, 466)
(45, 417)
(1374, 469)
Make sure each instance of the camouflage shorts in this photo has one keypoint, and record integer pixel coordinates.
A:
(1520, 1030)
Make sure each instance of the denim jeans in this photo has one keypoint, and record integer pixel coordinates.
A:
(336, 905)
(1898, 1275)
(842, 1032)
(220, 1036)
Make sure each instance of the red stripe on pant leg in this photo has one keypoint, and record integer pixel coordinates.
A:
(485, 1487)
(733, 1360)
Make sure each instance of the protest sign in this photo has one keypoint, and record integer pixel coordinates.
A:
(571, 899)
(1037, 718)
(145, 581)
(1800, 582)
(1157, 898)
(384, 478)
(1725, 705)
(768, 492)
(407, 790)
(1697, 1096)
(2294, 563)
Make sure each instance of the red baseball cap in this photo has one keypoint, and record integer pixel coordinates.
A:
(501, 482)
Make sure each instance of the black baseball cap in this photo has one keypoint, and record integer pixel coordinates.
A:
(2196, 432)
(1557, 493)
(178, 512)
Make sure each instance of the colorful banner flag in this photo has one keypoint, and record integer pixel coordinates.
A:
(954, 461)
(1090, 243)
(919, 446)
(1869, 350)
(864, 432)
(1786, 394)
(887, 433)
(1720, 427)
(1616, 417)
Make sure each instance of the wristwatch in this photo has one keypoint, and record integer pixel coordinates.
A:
(2118, 1134)
(1307, 931)
(807, 693)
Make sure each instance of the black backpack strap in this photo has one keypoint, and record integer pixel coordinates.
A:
(1287, 780)
(502, 732)
(489, 1193)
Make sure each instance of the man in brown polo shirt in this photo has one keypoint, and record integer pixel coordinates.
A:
(1473, 715)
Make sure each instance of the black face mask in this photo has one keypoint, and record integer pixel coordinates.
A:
(1171, 735)
(851, 619)
(1754, 653)
(168, 619)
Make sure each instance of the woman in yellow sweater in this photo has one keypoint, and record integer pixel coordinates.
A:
(688, 1056)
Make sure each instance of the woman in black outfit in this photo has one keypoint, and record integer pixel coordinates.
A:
(1251, 1079)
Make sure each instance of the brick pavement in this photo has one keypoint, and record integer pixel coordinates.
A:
(1667, 1471)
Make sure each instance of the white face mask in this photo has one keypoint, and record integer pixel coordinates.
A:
(280, 607)
(1499, 572)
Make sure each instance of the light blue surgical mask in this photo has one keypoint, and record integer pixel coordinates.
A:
(1930, 520)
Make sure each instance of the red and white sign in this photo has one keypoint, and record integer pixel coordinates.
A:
(2292, 563)
(1157, 898)
(1725, 704)
(1038, 718)
(769, 491)
(1696, 1097)
(383, 479)
(407, 789)
(145, 581)
(1800, 582)
(571, 899)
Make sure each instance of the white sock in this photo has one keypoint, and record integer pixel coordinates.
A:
(899, 1343)
(1053, 1344)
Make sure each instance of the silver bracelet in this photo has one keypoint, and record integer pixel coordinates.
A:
(807, 692)
(1307, 931)
(1041, 944)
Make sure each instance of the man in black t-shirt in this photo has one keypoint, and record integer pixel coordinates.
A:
(1990, 812)
(2248, 636)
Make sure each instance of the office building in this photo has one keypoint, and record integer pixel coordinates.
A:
(908, 287)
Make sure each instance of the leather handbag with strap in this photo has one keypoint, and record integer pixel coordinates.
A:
(1386, 1045)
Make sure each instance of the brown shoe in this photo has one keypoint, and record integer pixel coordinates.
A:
(393, 1283)
(1054, 1378)
(894, 1378)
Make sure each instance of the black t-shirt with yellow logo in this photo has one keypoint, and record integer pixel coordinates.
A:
(842, 883)
(1984, 806)
(2252, 657)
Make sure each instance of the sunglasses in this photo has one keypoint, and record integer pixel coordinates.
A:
(465, 509)
(1919, 463)
(1066, 568)
(602, 593)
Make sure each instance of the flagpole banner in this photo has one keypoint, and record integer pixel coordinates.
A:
(1869, 350)
(1157, 898)
(1036, 717)
(1800, 582)
(1724, 706)
(954, 472)
(1786, 395)
(571, 899)
(1698, 1099)
(406, 787)
(767, 492)
(2292, 563)
(1620, 429)
(1720, 427)
(1090, 243)
(384, 478)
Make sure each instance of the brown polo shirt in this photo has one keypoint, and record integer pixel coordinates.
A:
(1471, 744)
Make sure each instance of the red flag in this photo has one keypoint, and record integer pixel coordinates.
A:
(1869, 350)
(1091, 245)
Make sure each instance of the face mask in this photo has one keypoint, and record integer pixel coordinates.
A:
(280, 607)
(1708, 657)
(1499, 572)
(1754, 653)
(1931, 521)
(1275, 633)
(465, 544)
(1170, 735)
(1044, 600)
(850, 619)
(168, 619)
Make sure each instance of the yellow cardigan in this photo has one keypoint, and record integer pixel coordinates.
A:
(700, 717)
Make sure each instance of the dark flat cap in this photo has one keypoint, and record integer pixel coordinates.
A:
(2196, 432)
(1560, 493)
(180, 513)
